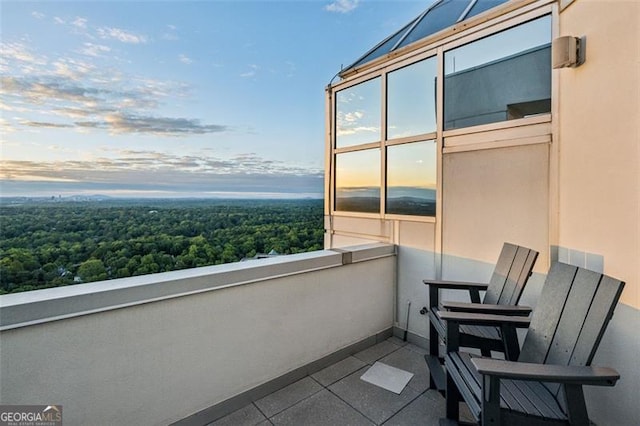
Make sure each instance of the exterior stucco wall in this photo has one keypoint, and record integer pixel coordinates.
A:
(599, 180)
(599, 139)
(492, 196)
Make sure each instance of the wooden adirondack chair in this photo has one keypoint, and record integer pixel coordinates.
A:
(544, 386)
(503, 292)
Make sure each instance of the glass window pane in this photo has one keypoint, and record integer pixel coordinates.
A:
(411, 179)
(501, 77)
(411, 99)
(358, 114)
(358, 181)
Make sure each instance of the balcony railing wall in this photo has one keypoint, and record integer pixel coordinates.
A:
(158, 348)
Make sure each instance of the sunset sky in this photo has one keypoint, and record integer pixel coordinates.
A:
(168, 98)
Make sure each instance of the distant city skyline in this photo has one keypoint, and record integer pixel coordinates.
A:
(176, 99)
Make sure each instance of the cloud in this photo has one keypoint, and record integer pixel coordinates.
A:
(80, 23)
(152, 171)
(45, 124)
(343, 131)
(154, 161)
(94, 50)
(171, 34)
(19, 56)
(68, 92)
(120, 35)
(342, 6)
(6, 127)
(253, 69)
(162, 126)
(185, 59)
(351, 116)
(59, 20)
(38, 15)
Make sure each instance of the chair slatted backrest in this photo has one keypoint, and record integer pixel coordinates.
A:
(603, 305)
(510, 275)
(518, 276)
(571, 316)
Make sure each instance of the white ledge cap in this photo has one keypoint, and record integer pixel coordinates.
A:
(38, 306)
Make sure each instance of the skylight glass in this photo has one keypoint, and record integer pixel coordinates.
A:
(439, 15)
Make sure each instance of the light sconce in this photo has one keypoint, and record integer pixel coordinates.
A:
(568, 51)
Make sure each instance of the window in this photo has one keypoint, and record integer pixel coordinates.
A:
(411, 179)
(358, 181)
(387, 130)
(358, 114)
(411, 99)
(410, 107)
(501, 77)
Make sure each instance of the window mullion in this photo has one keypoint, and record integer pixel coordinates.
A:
(383, 149)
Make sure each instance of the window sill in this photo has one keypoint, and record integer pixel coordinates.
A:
(525, 131)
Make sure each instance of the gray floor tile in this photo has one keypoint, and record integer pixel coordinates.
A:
(337, 371)
(413, 362)
(288, 396)
(426, 410)
(247, 416)
(417, 349)
(465, 414)
(375, 403)
(321, 409)
(397, 341)
(375, 352)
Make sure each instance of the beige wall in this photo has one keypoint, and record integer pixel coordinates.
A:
(491, 196)
(599, 179)
(599, 139)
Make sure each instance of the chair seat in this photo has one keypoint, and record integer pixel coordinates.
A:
(517, 398)
(481, 332)
(485, 332)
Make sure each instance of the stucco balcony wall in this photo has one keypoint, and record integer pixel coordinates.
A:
(155, 349)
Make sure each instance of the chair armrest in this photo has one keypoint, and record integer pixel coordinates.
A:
(569, 374)
(487, 308)
(456, 285)
(473, 318)
(436, 285)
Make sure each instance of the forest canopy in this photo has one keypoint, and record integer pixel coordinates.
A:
(56, 243)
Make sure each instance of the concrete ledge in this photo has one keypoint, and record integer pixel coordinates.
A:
(35, 307)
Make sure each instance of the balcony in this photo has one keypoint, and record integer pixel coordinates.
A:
(283, 340)
(337, 395)
(196, 345)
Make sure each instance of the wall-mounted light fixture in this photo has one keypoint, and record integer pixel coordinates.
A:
(568, 51)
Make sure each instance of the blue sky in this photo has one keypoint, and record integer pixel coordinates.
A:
(176, 98)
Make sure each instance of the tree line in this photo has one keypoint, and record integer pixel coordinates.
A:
(60, 243)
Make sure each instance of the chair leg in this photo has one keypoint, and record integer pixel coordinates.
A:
(433, 350)
(576, 407)
(453, 398)
(491, 401)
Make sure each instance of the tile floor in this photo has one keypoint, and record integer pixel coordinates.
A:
(337, 395)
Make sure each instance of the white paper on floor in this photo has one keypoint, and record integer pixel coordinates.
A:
(387, 377)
